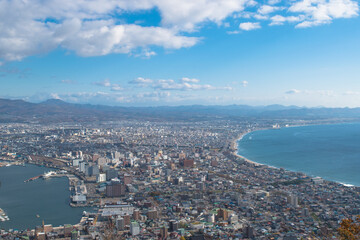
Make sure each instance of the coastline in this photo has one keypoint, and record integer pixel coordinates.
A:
(234, 144)
(235, 141)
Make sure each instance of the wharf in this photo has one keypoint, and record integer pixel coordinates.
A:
(33, 178)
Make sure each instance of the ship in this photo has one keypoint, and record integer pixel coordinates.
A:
(3, 216)
(276, 126)
(49, 174)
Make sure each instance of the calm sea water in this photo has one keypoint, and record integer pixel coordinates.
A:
(329, 151)
(23, 201)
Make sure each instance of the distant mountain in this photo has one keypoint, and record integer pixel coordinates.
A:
(55, 110)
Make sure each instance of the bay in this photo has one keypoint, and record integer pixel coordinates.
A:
(22, 202)
(329, 151)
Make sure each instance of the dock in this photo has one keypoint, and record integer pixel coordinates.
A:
(33, 178)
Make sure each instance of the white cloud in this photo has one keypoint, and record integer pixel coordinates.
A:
(266, 9)
(141, 80)
(95, 28)
(89, 28)
(280, 20)
(247, 26)
(351, 93)
(328, 93)
(55, 96)
(324, 11)
(244, 83)
(116, 87)
(186, 14)
(293, 91)
(184, 84)
(104, 83)
(190, 80)
(273, 2)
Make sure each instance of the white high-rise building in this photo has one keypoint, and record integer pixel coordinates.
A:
(134, 228)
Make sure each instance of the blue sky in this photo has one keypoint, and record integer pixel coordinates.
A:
(161, 52)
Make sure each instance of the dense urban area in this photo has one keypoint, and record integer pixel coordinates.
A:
(173, 180)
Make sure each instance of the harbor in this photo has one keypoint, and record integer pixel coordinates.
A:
(28, 204)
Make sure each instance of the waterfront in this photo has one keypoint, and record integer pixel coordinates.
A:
(22, 202)
(328, 151)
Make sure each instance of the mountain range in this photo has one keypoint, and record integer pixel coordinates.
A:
(55, 110)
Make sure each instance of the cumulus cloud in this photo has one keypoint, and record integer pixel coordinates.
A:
(273, 2)
(104, 83)
(328, 93)
(247, 26)
(95, 28)
(280, 20)
(86, 27)
(324, 11)
(293, 91)
(116, 87)
(90, 28)
(190, 80)
(266, 9)
(141, 81)
(244, 83)
(184, 84)
(351, 93)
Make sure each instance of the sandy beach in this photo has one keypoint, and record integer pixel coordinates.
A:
(234, 146)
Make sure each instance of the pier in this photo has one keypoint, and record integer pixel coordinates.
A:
(33, 178)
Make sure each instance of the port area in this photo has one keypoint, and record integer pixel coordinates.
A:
(51, 174)
(81, 194)
(10, 163)
(3, 216)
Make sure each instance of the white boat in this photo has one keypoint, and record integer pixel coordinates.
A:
(276, 126)
(49, 174)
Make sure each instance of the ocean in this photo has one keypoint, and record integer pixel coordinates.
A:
(328, 151)
(22, 202)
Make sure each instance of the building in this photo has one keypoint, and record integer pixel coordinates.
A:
(127, 179)
(293, 200)
(111, 174)
(173, 226)
(163, 232)
(187, 163)
(101, 178)
(68, 228)
(134, 228)
(79, 198)
(120, 223)
(136, 215)
(115, 190)
(222, 214)
(152, 214)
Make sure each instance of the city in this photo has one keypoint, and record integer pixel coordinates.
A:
(153, 180)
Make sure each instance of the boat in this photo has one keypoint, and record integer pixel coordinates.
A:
(276, 126)
(37, 215)
(49, 174)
